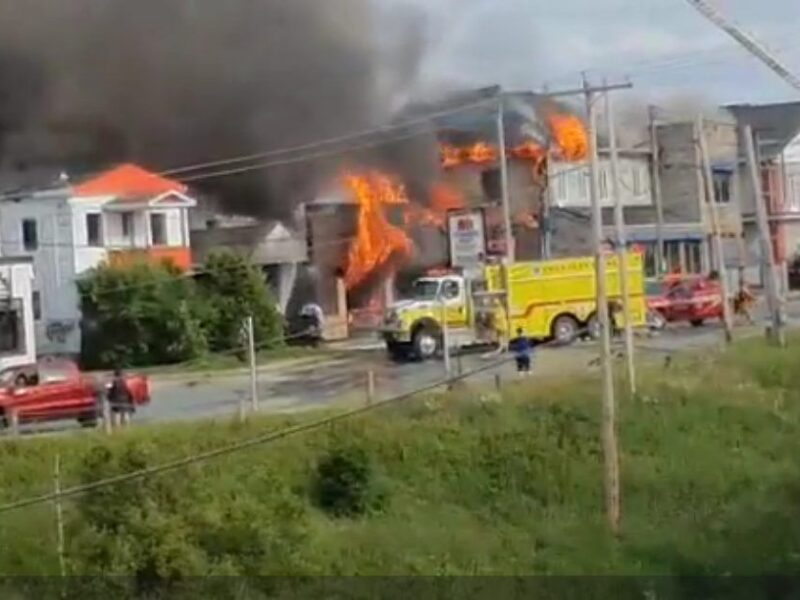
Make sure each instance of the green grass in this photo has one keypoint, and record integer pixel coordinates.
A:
(471, 484)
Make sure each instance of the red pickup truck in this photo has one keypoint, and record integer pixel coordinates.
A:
(58, 390)
(693, 300)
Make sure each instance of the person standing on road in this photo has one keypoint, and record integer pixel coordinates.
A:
(522, 347)
(743, 303)
(120, 400)
(614, 309)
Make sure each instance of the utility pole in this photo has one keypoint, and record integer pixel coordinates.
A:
(609, 427)
(776, 333)
(251, 351)
(656, 176)
(509, 233)
(716, 234)
(545, 221)
(445, 334)
(622, 244)
(501, 141)
(62, 563)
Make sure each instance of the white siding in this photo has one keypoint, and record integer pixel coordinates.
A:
(17, 281)
(570, 183)
(54, 265)
(86, 257)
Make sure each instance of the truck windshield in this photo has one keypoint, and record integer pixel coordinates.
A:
(426, 289)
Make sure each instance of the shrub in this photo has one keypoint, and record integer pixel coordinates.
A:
(344, 483)
(232, 288)
(139, 315)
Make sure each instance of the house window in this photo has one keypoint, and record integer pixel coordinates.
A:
(603, 184)
(30, 235)
(638, 188)
(722, 186)
(94, 230)
(36, 301)
(650, 269)
(794, 201)
(672, 257)
(127, 224)
(12, 339)
(561, 188)
(694, 257)
(158, 229)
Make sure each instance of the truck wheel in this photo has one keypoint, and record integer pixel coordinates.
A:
(20, 381)
(697, 322)
(593, 328)
(565, 329)
(426, 343)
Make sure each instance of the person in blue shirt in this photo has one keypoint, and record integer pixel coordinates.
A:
(522, 347)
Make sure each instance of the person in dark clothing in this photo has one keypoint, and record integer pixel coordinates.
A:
(614, 309)
(120, 399)
(522, 347)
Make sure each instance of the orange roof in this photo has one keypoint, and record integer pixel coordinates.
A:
(128, 180)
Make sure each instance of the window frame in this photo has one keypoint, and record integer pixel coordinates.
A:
(36, 305)
(17, 309)
(722, 180)
(153, 217)
(96, 241)
(30, 244)
(126, 224)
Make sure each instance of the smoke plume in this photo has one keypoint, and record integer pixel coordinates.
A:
(88, 83)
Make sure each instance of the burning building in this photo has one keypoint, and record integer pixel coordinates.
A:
(383, 226)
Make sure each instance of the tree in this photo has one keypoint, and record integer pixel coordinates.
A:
(139, 315)
(232, 288)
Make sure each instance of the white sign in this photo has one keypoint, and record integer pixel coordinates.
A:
(467, 231)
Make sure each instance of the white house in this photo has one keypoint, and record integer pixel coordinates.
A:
(17, 311)
(123, 215)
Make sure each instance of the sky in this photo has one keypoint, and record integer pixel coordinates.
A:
(665, 47)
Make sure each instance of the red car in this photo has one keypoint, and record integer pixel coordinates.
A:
(58, 390)
(692, 300)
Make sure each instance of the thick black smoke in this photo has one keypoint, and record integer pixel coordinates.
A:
(87, 83)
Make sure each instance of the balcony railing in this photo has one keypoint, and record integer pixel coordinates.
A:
(180, 257)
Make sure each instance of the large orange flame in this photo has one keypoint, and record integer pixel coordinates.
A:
(570, 136)
(443, 199)
(570, 141)
(377, 241)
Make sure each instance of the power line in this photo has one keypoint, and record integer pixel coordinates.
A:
(750, 44)
(267, 438)
(305, 157)
(329, 141)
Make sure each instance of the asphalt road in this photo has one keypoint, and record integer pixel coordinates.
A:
(317, 383)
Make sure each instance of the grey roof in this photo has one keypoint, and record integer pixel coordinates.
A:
(777, 124)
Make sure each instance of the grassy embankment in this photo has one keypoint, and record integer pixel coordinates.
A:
(452, 484)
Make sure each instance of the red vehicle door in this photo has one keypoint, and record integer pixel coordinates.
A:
(60, 393)
(679, 303)
(707, 301)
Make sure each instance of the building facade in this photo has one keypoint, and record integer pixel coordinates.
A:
(119, 217)
(776, 128)
(17, 313)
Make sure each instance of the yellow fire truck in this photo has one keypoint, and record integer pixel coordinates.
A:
(549, 300)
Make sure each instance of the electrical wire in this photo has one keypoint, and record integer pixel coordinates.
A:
(329, 141)
(263, 439)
